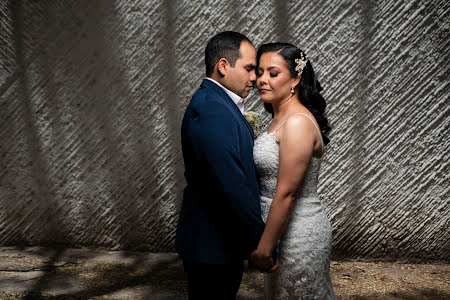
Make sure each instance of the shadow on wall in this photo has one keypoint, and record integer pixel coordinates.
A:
(50, 224)
(355, 160)
(105, 162)
(100, 87)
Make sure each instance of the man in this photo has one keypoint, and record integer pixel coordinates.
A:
(220, 221)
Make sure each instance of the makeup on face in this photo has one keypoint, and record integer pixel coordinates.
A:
(273, 77)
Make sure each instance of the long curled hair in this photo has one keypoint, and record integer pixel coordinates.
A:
(308, 88)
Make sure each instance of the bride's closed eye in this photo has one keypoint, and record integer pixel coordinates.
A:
(272, 74)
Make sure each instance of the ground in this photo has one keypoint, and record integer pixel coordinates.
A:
(49, 273)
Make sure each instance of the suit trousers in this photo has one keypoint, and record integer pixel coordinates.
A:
(210, 281)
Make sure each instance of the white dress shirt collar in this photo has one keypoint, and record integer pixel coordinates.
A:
(236, 99)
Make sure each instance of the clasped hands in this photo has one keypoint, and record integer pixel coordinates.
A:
(263, 261)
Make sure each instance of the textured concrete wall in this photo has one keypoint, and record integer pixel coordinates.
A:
(93, 92)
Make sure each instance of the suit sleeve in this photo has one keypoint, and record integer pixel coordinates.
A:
(215, 141)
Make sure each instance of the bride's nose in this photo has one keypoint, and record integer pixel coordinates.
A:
(262, 79)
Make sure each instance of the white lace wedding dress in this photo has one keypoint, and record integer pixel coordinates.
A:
(305, 246)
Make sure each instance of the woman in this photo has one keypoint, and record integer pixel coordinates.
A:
(287, 159)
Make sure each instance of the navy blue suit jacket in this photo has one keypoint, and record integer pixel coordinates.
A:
(220, 220)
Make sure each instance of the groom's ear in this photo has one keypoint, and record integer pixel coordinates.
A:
(222, 66)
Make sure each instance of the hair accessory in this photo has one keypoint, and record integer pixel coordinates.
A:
(301, 63)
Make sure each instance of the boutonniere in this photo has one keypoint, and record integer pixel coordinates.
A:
(255, 121)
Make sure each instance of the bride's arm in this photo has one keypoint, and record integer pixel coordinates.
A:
(296, 149)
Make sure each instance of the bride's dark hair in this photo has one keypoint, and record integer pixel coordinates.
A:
(308, 88)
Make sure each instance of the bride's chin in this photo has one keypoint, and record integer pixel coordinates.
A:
(264, 99)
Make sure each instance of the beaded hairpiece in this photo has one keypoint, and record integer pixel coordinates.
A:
(301, 63)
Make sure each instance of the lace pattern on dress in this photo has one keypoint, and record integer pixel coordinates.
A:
(305, 245)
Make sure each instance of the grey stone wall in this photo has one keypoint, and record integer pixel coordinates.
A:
(93, 93)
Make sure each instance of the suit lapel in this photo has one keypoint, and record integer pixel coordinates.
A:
(209, 84)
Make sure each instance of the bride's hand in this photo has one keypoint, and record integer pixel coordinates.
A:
(263, 262)
(274, 267)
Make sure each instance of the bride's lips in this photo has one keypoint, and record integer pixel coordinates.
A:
(263, 90)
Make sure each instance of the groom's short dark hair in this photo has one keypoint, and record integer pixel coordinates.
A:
(223, 45)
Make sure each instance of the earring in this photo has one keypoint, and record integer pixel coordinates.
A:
(292, 90)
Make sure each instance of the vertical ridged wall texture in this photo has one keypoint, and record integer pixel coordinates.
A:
(93, 93)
